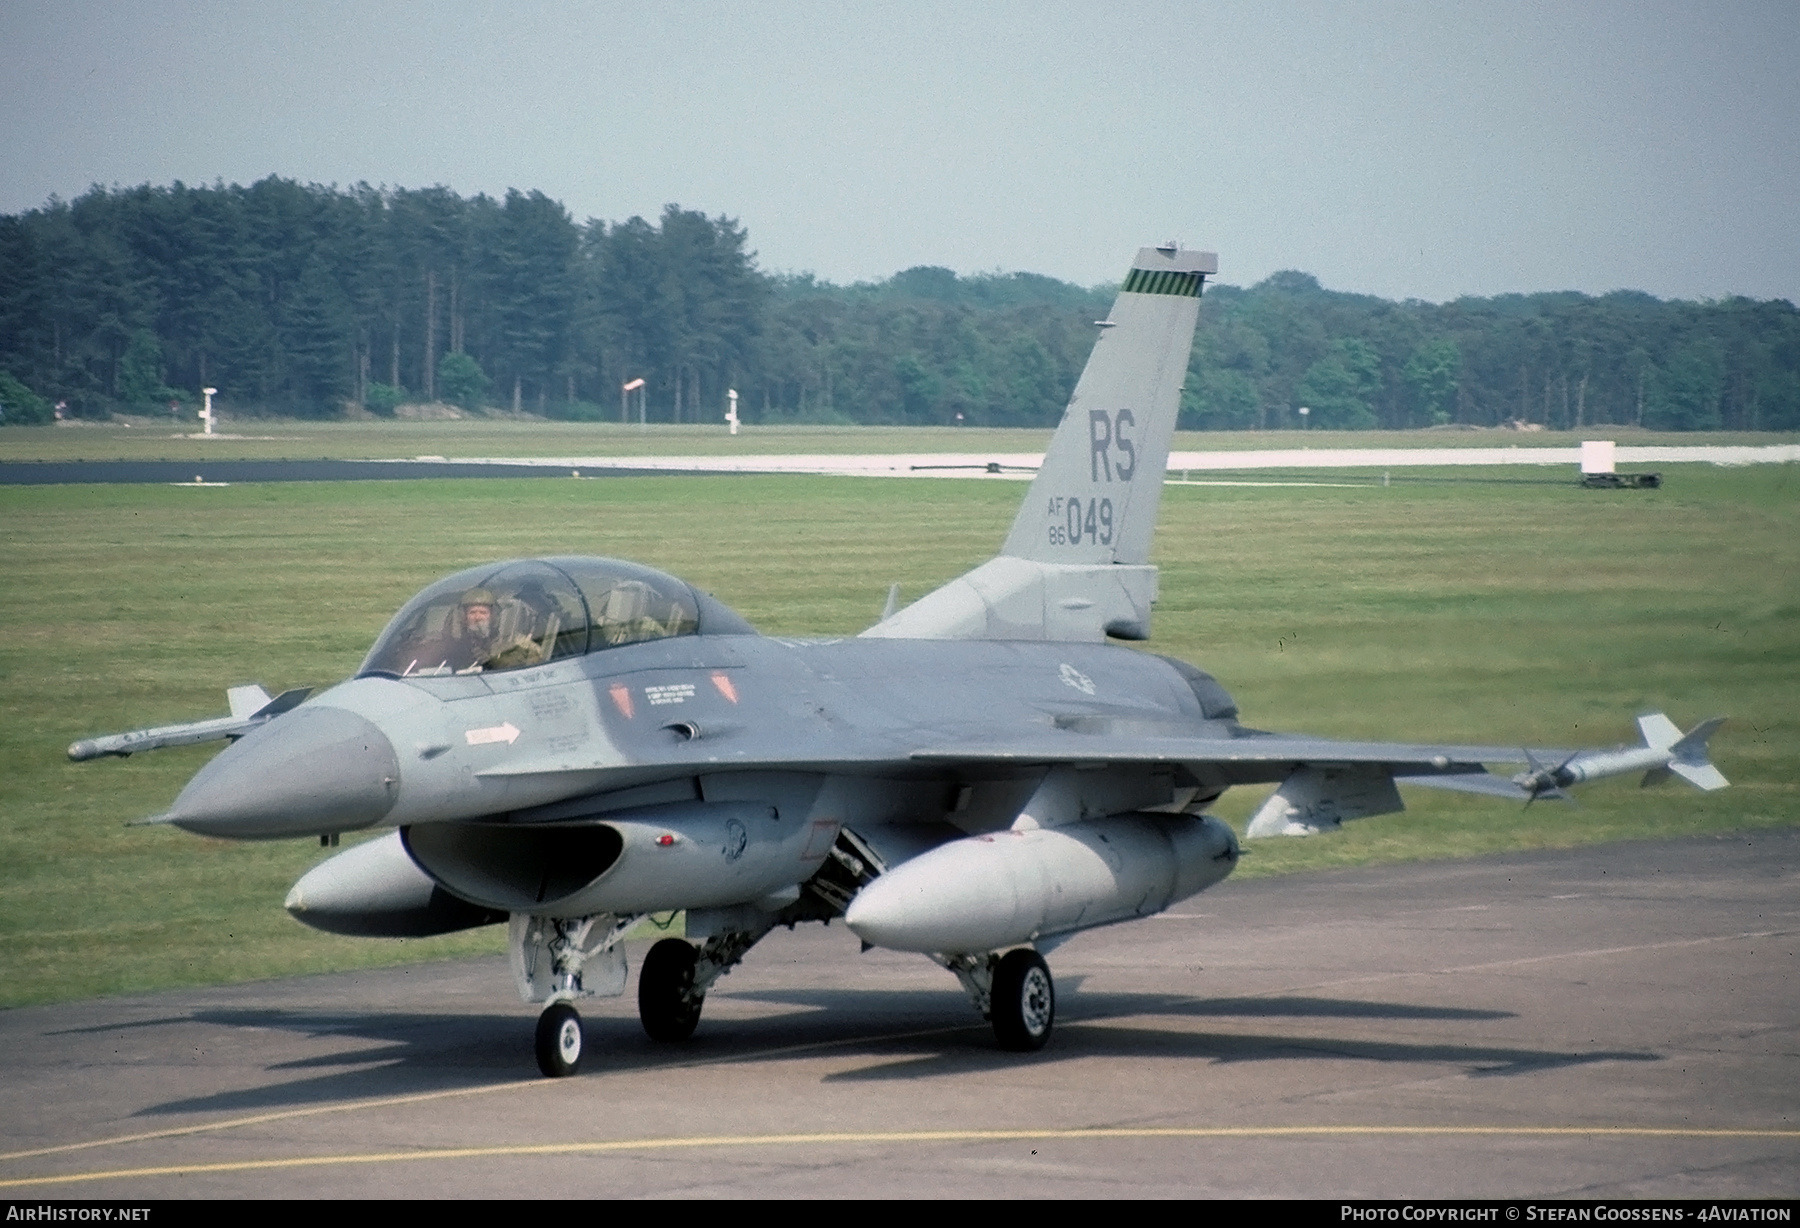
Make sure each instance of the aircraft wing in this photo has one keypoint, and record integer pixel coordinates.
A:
(250, 707)
(1246, 759)
(1324, 782)
(1321, 783)
(1259, 756)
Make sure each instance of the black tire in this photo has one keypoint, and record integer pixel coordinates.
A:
(559, 1041)
(667, 1005)
(1024, 1001)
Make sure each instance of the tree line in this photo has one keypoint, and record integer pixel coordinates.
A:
(1562, 360)
(305, 300)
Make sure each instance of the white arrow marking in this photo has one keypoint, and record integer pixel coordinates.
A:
(506, 733)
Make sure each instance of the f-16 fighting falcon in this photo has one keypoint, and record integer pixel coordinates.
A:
(568, 745)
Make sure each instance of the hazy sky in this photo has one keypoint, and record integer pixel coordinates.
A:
(1416, 150)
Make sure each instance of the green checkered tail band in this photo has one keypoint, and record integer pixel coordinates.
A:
(1161, 281)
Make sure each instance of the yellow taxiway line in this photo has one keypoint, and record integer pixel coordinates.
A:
(609, 1146)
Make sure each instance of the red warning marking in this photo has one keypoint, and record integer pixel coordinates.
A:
(819, 841)
(621, 697)
(723, 682)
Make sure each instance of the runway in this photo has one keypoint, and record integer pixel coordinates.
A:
(1010, 466)
(233, 472)
(1016, 466)
(1608, 1022)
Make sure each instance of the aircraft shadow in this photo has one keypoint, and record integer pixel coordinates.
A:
(906, 1034)
(1093, 1006)
(1084, 1030)
(1079, 1038)
(129, 1025)
(405, 1054)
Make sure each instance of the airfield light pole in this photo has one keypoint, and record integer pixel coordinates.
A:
(206, 415)
(731, 414)
(1305, 413)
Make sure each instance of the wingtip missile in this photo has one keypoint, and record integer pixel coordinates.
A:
(1666, 751)
(250, 707)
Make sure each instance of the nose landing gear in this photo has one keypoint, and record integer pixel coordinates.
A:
(559, 1041)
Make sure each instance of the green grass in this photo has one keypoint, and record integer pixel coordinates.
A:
(1444, 607)
(281, 439)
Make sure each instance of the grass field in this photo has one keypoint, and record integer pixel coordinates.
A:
(278, 439)
(1471, 606)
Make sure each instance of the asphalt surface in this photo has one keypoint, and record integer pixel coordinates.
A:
(78, 473)
(1619, 1021)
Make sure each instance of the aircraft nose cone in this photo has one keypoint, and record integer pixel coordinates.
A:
(315, 770)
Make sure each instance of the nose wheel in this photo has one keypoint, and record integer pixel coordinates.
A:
(1024, 1001)
(559, 1041)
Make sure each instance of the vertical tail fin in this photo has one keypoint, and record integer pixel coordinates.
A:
(1076, 564)
(1095, 498)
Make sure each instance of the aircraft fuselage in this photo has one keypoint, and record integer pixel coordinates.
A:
(503, 746)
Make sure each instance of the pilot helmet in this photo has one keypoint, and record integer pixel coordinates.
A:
(477, 596)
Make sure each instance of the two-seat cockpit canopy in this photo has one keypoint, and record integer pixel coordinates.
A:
(528, 611)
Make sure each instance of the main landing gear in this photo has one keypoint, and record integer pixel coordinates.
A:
(1014, 992)
(676, 974)
(668, 1007)
(1024, 1000)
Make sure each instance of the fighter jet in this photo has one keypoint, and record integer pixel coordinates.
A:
(569, 745)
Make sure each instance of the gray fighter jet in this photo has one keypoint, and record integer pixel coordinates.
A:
(568, 745)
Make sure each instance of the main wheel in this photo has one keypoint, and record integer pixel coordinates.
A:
(1024, 1001)
(559, 1041)
(667, 1004)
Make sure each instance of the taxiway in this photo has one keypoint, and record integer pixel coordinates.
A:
(1613, 1021)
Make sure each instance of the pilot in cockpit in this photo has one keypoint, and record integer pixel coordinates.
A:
(496, 632)
(477, 608)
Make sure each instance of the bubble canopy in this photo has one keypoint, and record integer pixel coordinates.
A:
(526, 612)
